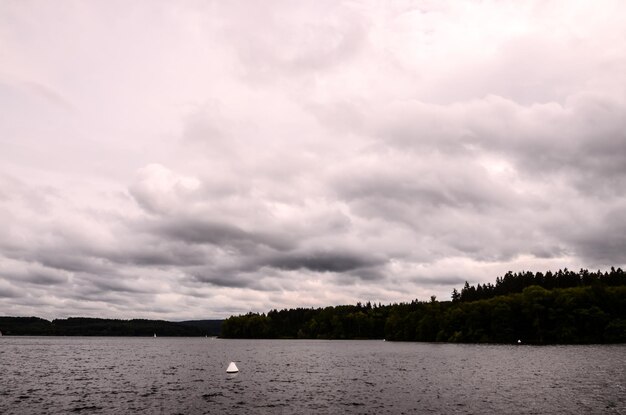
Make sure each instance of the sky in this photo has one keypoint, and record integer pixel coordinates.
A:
(199, 159)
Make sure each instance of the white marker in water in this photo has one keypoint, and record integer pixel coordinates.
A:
(232, 368)
(519, 342)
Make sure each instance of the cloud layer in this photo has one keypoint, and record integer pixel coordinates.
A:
(202, 159)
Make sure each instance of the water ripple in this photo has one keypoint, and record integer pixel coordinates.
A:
(187, 376)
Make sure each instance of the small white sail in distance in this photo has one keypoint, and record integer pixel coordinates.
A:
(232, 368)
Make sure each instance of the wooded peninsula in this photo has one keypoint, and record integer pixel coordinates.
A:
(564, 307)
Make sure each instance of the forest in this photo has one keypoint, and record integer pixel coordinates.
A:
(564, 307)
(81, 326)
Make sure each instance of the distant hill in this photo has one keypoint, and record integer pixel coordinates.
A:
(81, 326)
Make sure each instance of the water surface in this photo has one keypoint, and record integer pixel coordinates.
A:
(58, 375)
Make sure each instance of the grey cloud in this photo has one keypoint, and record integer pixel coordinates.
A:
(581, 142)
(603, 242)
(157, 252)
(584, 139)
(115, 283)
(250, 271)
(67, 261)
(113, 286)
(9, 292)
(449, 280)
(222, 278)
(159, 200)
(62, 257)
(112, 298)
(370, 274)
(547, 251)
(461, 184)
(45, 278)
(222, 234)
(423, 200)
(331, 261)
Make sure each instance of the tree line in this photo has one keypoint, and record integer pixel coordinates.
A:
(552, 308)
(81, 326)
(515, 282)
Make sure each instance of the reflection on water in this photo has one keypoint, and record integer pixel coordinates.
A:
(188, 376)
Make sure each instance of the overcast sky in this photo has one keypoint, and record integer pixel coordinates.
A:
(183, 160)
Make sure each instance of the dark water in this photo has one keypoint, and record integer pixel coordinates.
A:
(55, 375)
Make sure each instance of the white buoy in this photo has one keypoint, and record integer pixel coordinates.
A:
(232, 368)
(519, 342)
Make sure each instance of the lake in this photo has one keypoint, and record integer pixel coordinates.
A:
(59, 375)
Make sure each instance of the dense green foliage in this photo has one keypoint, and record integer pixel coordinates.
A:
(515, 283)
(588, 311)
(341, 322)
(78, 326)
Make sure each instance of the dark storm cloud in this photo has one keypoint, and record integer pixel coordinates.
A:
(233, 276)
(334, 261)
(253, 271)
(369, 274)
